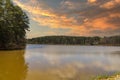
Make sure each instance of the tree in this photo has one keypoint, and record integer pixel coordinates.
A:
(13, 25)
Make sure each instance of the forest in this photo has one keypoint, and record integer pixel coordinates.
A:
(76, 40)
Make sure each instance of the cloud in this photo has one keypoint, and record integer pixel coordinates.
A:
(111, 4)
(47, 17)
(70, 4)
(35, 10)
(92, 1)
(103, 25)
(78, 16)
(55, 22)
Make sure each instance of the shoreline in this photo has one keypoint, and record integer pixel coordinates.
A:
(12, 48)
(72, 44)
(23, 47)
(111, 77)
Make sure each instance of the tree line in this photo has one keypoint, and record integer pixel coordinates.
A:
(13, 25)
(72, 40)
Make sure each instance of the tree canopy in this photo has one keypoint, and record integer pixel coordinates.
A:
(13, 25)
(76, 40)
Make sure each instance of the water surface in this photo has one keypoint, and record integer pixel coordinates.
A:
(57, 62)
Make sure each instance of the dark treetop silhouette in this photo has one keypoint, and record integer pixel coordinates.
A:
(76, 40)
(13, 25)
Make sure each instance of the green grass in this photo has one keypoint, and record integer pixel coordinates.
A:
(101, 77)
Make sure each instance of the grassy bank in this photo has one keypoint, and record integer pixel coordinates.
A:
(106, 77)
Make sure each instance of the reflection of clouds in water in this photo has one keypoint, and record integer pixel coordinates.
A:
(55, 59)
(68, 63)
(100, 60)
(52, 59)
(106, 62)
(71, 71)
(68, 71)
(114, 63)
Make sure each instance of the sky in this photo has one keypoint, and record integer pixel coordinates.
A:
(72, 17)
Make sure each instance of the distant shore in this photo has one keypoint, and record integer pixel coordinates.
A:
(76, 40)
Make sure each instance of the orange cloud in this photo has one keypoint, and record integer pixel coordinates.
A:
(110, 4)
(47, 17)
(92, 1)
(56, 22)
(53, 19)
(115, 15)
(98, 24)
(35, 10)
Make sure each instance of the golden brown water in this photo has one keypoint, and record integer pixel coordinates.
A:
(45, 62)
(12, 65)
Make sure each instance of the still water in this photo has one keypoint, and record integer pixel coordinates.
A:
(53, 62)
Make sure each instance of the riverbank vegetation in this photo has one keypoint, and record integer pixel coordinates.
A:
(13, 25)
(106, 77)
(78, 40)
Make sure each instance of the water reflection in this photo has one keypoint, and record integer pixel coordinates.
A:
(12, 65)
(47, 62)
(71, 62)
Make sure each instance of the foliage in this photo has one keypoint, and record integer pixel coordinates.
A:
(114, 40)
(64, 40)
(115, 76)
(13, 25)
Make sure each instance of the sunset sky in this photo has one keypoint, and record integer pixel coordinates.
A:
(72, 17)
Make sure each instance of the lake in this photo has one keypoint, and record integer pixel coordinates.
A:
(59, 62)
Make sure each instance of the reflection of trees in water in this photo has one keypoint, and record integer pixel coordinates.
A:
(116, 53)
(12, 65)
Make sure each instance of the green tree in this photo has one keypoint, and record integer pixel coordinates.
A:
(13, 25)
